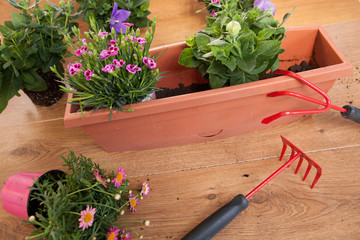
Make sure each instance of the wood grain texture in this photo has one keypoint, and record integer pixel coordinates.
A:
(190, 182)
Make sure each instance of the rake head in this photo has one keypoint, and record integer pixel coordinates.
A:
(295, 154)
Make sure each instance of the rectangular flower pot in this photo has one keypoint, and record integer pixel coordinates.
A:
(217, 113)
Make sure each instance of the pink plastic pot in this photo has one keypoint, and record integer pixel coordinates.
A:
(16, 194)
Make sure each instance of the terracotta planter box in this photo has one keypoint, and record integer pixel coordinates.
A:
(217, 113)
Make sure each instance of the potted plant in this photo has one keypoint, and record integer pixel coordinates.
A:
(216, 113)
(135, 12)
(113, 69)
(32, 42)
(84, 203)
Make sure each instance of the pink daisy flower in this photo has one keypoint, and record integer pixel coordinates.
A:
(120, 177)
(112, 235)
(87, 217)
(133, 201)
(145, 190)
(104, 54)
(125, 235)
(99, 179)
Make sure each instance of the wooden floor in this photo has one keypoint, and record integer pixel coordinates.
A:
(189, 182)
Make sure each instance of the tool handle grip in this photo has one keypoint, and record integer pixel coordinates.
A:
(218, 220)
(352, 113)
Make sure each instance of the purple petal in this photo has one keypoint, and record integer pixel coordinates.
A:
(265, 5)
(121, 15)
(114, 9)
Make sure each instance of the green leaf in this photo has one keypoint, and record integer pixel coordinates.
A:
(202, 41)
(230, 63)
(247, 64)
(216, 81)
(242, 77)
(18, 20)
(7, 64)
(187, 58)
(275, 65)
(217, 68)
(218, 42)
(266, 33)
(14, 4)
(33, 81)
(268, 48)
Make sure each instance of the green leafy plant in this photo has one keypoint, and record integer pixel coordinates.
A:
(85, 203)
(32, 42)
(101, 11)
(236, 46)
(112, 69)
(214, 6)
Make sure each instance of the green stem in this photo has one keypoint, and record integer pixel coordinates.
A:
(99, 204)
(34, 236)
(81, 190)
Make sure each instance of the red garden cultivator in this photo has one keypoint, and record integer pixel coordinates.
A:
(347, 111)
(223, 216)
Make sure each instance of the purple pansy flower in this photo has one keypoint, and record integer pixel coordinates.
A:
(132, 68)
(265, 5)
(149, 62)
(117, 19)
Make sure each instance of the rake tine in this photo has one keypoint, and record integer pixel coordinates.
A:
(318, 174)
(299, 164)
(307, 172)
(283, 151)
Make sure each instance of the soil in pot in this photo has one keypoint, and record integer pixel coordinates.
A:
(196, 87)
(49, 97)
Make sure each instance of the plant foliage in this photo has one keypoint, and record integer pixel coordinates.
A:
(238, 45)
(32, 41)
(62, 200)
(101, 11)
(112, 69)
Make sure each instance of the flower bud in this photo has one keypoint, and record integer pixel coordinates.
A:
(233, 28)
(117, 196)
(122, 212)
(141, 197)
(141, 236)
(130, 192)
(108, 180)
(146, 223)
(32, 218)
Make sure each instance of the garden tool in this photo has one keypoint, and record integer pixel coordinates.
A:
(223, 216)
(347, 111)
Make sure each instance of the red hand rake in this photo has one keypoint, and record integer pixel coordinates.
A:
(223, 216)
(347, 111)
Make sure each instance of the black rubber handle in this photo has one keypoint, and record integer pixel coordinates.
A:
(218, 220)
(352, 113)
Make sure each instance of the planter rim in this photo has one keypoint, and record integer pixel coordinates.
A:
(210, 96)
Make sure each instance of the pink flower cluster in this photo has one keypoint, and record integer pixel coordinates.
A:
(112, 67)
(81, 51)
(139, 40)
(149, 62)
(74, 68)
(112, 51)
(103, 34)
(216, 1)
(133, 68)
